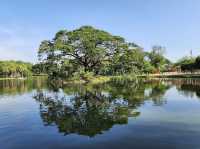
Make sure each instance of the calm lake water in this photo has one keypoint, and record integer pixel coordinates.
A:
(146, 114)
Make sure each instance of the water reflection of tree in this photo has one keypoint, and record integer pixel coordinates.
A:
(137, 93)
(91, 110)
(88, 114)
(157, 93)
(188, 87)
(20, 86)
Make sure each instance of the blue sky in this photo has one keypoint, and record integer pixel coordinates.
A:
(174, 24)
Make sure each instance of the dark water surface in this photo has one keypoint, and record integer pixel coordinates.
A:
(146, 114)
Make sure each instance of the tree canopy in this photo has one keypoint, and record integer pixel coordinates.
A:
(90, 50)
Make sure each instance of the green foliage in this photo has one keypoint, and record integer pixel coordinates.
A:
(130, 61)
(148, 68)
(189, 63)
(122, 79)
(82, 75)
(156, 56)
(157, 60)
(38, 69)
(90, 50)
(185, 60)
(197, 62)
(15, 69)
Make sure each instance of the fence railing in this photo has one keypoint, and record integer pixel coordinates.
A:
(181, 73)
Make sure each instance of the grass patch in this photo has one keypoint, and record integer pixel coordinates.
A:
(90, 80)
(102, 79)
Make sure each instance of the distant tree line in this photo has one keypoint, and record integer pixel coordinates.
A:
(189, 63)
(15, 69)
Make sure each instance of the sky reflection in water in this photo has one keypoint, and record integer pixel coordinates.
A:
(153, 114)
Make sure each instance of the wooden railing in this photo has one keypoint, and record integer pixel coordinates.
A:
(194, 73)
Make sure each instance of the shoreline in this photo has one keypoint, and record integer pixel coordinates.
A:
(181, 75)
(104, 79)
(21, 78)
(12, 78)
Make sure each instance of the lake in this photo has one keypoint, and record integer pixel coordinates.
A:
(144, 114)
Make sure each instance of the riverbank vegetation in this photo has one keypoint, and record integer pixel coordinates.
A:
(11, 69)
(88, 54)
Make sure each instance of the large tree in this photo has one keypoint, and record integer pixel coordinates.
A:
(85, 48)
(156, 56)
